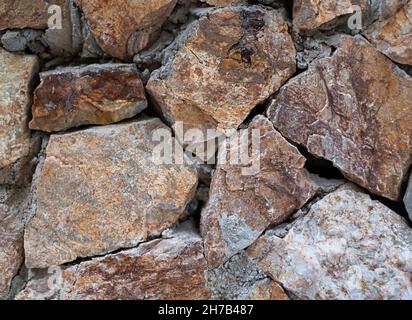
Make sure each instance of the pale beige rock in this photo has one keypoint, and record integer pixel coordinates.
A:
(243, 203)
(222, 66)
(346, 247)
(16, 143)
(124, 27)
(172, 268)
(352, 109)
(100, 190)
(94, 94)
(393, 36)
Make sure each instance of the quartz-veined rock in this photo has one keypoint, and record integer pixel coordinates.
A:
(100, 190)
(393, 36)
(352, 109)
(172, 268)
(243, 203)
(124, 27)
(241, 279)
(16, 143)
(346, 247)
(408, 198)
(94, 94)
(222, 66)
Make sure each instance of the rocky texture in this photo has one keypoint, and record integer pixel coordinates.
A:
(354, 110)
(16, 143)
(408, 198)
(23, 14)
(222, 66)
(13, 206)
(220, 3)
(393, 35)
(123, 27)
(100, 190)
(347, 247)
(95, 94)
(242, 205)
(172, 268)
(241, 279)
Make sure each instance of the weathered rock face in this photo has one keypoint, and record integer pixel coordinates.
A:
(160, 269)
(23, 14)
(352, 109)
(408, 198)
(393, 36)
(223, 65)
(242, 205)
(123, 27)
(99, 190)
(95, 94)
(309, 15)
(241, 279)
(16, 144)
(219, 3)
(347, 247)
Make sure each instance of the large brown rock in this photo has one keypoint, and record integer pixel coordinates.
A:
(124, 27)
(100, 190)
(346, 247)
(23, 14)
(355, 110)
(222, 66)
(393, 35)
(16, 143)
(95, 94)
(242, 205)
(172, 268)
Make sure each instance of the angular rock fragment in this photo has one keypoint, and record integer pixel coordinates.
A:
(243, 204)
(100, 190)
(123, 27)
(408, 198)
(168, 269)
(95, 94)
(16, 144)
(222, 66)
(347, 247)
(241, 279)
(393, 36)
(352, 109)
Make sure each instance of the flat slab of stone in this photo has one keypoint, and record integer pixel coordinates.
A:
(100, 190)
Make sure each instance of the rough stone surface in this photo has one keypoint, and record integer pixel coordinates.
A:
(100, 190)
(123, 27)
(352, 109)
(219, 3)
(222, 66)
(347, 247)
(16, 143)
(241, 279)
(393, 36)
(242, 205)
(95, 94)
(169, 269)
(408, 198)
(23, 14)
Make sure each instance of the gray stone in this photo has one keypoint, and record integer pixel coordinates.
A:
(408, 198)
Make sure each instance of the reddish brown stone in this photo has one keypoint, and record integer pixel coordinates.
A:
(355, 110)
(96, 94)
(242, 205)
(124, 27)
(19, 14)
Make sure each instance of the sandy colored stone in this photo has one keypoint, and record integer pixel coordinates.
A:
(243, 204)
(170, 269)
(222, 66)
(221, 3)
(16, 144)
(408, 198)
(241, 279)
(100, 190)
(393, 36)
(309, 15)
(346, 247)
(355, 110)
(94, 94)
(125, 27)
